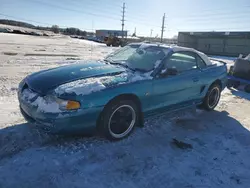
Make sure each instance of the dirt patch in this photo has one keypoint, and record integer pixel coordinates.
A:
(10, 53)
(40, 50)
(54, 55)
(181, 145)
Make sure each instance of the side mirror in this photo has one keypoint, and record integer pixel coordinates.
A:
(140, 51)
(169, 71)
(172, 71)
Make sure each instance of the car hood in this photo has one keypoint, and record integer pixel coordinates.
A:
(46, 80)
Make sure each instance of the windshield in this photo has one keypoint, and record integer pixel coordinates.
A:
(137, 57)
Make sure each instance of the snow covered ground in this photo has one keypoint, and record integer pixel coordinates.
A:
(220, 140)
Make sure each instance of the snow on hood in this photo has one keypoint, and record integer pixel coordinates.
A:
(44, 81)
(82, 87)
(90, 85)
(86, 86)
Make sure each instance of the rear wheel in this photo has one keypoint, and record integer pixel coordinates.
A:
(212, 97)
(119, 119)
(247, 88)
(233, 83)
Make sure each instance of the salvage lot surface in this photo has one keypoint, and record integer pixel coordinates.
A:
(220, 140)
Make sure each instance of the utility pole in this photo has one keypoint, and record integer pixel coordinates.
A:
(123, 15)
(151, 32)
(162, 27)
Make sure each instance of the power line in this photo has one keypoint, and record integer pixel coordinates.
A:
(72, 10)
(205, 13)
(195, 19)
(142, 23)
(139, 21)
(43, 23)
(195, 16)
(27, 20)
(94, 7)
(112, 4)
(215, 23)
(49, 24)
(213, 12)
(214, 17)
(225, 28)
(83, 12)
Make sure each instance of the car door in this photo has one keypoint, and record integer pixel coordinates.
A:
(184, 87)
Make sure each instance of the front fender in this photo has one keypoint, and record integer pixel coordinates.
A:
(141, 89)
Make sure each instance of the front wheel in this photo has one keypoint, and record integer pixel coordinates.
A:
(212, 97)
(119, 119)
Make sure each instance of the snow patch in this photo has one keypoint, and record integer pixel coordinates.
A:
(163, 71)
(85, 69)
(29, 157)
(28, 94)
(90, 85)
(81, 87)
(137, 77)
(157, 63)
(46, 106)
(42, 105)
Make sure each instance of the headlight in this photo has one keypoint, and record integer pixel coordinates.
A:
(63, 104)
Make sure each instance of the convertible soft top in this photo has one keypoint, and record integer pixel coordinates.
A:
(176, 48)
(202, 55)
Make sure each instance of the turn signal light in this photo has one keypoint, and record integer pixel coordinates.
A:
(73, 105)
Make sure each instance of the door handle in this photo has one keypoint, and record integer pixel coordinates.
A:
(195, 79)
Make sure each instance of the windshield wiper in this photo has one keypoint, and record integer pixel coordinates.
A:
(108, 61)
(124, 65)
(121, 64)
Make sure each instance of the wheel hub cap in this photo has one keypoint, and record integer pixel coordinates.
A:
(122, 121)
(213, 97)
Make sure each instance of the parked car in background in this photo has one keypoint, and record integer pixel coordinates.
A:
(115, 94)
(239, 73)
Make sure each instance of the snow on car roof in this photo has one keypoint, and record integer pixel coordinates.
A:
(176, 48)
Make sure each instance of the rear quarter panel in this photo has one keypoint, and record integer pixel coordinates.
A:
(213, 73)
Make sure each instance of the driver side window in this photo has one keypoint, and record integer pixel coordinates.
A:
(181, 61)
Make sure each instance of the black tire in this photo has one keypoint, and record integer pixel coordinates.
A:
(247, 88)
(112, 111)
(233, 83)
(212, 97)
(229, 84)
(231, 70)
(236, 84)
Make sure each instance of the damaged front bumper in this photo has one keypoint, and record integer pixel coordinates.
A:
(75, 122)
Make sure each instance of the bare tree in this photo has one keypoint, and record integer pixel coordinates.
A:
(55, 28)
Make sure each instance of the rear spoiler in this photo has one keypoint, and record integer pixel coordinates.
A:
(218, 61)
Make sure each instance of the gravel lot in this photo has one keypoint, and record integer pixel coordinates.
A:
(220, 140)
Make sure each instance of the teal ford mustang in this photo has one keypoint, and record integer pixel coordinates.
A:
(115, 94)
